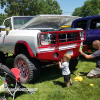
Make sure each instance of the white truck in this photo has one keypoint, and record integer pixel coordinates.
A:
(34, 40)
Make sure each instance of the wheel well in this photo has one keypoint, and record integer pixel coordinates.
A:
(21, 48)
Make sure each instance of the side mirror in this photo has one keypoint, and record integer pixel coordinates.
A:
(2, 28)
(7, 30)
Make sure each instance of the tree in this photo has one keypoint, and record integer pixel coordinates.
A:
(90, 8)
(44, 7)
(16, 7)
(2, 17)
(77, 12)
(31, 7)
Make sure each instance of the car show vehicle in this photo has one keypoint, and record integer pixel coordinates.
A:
(35, 40)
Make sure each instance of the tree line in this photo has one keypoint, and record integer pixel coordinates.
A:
(29, 7)
(90, 8)
(35, 7)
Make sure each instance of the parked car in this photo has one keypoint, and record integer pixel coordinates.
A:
(38, 40)
(91, 25)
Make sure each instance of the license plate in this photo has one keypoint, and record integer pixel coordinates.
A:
(70, 52)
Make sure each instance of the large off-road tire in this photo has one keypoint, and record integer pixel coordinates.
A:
(29, 68)
(4, 69)
(2, 58)
(73, 63)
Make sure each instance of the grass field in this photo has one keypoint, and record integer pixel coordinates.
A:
(52, 87)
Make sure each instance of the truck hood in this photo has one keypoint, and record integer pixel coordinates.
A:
(49, 21)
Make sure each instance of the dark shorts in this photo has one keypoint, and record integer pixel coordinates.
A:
(66, 78)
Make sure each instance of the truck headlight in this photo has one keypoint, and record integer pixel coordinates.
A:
(43, 39)
(46, 39)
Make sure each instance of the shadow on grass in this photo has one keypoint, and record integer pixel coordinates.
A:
(72, 70)
(83, 74)
(59, 83)
(9, 62)
(51, 72)
(48, 73)
(17, 94)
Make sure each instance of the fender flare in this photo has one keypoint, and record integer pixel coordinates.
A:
(27, 46)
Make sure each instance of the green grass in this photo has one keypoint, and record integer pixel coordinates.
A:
(51, 85)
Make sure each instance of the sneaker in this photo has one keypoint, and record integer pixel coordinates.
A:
(71, 83)
(94, 73)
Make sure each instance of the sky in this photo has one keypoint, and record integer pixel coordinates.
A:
(67, 6)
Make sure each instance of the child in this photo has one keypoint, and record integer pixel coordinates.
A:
(64, 65)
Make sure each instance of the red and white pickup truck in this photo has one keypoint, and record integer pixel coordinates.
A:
(37, 39)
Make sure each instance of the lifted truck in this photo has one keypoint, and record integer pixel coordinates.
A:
(36, 40)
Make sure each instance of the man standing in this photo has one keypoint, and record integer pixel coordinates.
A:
(95, 72)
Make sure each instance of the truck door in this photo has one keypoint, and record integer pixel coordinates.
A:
(7, 42)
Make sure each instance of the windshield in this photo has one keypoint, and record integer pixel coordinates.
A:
(20, 21)
(80, 24)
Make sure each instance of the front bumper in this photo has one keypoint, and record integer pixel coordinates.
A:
(49, 56)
